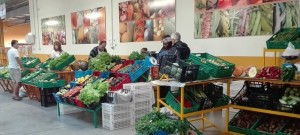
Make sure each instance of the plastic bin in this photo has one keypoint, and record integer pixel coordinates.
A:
(120, 84)
(64, 64)
(233, 127)
(55, 84)
(175, 104)
(206, 61)
(182, 72)
(272, 44)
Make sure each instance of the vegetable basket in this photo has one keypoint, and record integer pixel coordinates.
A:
(120, 84)
(123, 64)
(30, 62)
(143, 67)
(49, 84)
(216, 66)
(233, 127)
(64, 64)
(45, 65)
(183, 72)
(275, 43)
(31, 76)
(224, 100)
(285, 130)
(175, 104)
(254, 130)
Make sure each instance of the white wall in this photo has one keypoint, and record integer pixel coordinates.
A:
(235, 46)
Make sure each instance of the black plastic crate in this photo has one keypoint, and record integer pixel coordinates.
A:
(169, 58)
(181, 71)
(213, 91)
(256, 87)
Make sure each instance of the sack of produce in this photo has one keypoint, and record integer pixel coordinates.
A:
(290, 52)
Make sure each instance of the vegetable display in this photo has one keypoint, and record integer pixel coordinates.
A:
(288, 74)
(73, 91)
(284, 35)
(156, 121)
(82, 79)
(136, 56)
(244, 119)
(3, 71)
(113, 81)
(293, 128)
(92, 92)
(290, 98)
(43, 76)
(101, 62)
(115, 58)
(271, 124)
(53, 63)
(270, 73)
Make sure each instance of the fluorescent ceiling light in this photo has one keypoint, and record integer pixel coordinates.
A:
(12, 18)
(26, 14)
(52, 22)
(19, 16)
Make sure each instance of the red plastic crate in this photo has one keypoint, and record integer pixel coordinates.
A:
(79, 103)
(120, 85)
(124, 64)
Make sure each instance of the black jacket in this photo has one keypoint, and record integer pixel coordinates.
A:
(94, 52)
(181, 49)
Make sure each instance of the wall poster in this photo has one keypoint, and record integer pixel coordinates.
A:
(88, 26)
(146, 20)
(54, 29)
(234, 18)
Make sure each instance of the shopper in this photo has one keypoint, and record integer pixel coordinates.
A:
(179, 48)
(144, 51)
(57, 50)
(167, 44)
(14, 65)
(98, 49)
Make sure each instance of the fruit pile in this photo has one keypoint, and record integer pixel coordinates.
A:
(271, 124)
(244, 119)
(82, 79)
(293, 128)
(270, 73)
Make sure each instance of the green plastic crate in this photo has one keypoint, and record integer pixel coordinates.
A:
(258, 123)
(239, 129)
(57, 83)
(221, 71)
(64, 64)
(32, 64)
(271, 44)
(202, 74)
(175, 104)
(26, 80)
(222, 101)
(45, 65)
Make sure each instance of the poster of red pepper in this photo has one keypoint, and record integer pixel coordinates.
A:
(54, 29)
(88, 26)
(146, 20)
(244, 17)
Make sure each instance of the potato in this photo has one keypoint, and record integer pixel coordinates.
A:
(124, 37)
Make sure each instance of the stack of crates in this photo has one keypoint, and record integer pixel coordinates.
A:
(117, 116)
(142, 100)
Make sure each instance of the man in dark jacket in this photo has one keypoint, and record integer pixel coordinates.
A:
(98, 49)
(179, 48)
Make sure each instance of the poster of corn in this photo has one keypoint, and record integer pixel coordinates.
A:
(234, 18)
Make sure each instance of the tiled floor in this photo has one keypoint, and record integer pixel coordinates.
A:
(27, 117)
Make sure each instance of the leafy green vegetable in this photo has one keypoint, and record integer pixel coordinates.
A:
(92, 92)
(57, 61)
(101, 62)
(115, 58)
(156, 121)
(136, 56)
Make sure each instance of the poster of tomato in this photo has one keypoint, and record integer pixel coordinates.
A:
(88, 26)
(254, 20)
(54, 29)
(146, 20)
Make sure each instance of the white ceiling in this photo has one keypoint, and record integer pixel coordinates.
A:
(14, 17)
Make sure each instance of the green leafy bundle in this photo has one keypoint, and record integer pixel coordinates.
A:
(115, 58)
(92, 92)
(101, 62)
(53, 63)
(156, 121)
(136, 56)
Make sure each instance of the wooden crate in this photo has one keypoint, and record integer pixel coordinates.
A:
(68, 76)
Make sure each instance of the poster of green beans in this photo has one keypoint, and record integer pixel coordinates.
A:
(235, 18)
